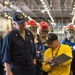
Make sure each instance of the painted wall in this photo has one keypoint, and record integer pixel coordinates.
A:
(4, 25)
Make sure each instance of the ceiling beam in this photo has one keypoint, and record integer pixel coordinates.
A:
(49, 13)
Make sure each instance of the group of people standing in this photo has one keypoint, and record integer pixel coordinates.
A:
(21, 47)
(24, 52)
(39, 41)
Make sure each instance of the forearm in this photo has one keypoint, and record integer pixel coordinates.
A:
(8, 70)
(7, 66)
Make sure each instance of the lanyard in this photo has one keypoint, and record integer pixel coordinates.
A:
(56, 52)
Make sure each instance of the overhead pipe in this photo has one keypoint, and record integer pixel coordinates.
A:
(48, 11)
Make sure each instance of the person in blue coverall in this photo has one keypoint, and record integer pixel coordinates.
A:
(70, 40)
(39, 43)
(41, 46)
(33, 28)
(18, 50)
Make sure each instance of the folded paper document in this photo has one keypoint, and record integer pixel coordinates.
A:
(60, 59)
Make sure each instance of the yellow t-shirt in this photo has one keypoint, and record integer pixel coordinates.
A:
(63, 69)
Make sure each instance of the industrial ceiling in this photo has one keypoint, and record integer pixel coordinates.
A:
(59, 12)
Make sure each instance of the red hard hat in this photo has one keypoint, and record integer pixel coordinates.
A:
(32, 23)
(43, 25)
(69, 26)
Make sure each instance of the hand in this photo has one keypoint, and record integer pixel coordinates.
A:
(53, 64)
(38, 51)
(34, 61)
(47, 60)
(9, 73)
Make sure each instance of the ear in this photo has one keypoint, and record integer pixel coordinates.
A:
(14, 23)
(57, 40)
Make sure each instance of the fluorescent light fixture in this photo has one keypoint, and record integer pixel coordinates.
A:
(44, 6)
(50, 16)
(6, 2)
(43, 11)
(73, 8)
(5, 15)
(9, 17)
(50, 5)
(18, 10)
(25, 15)
(72, 13)
(73, 19)
(74, 26)
(64, 26)
(43, 2)
(11, 5)
(29, 18)
(53, 23)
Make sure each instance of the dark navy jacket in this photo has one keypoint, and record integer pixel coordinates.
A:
(18, 51)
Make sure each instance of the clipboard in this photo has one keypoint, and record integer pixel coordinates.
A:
(60, 59)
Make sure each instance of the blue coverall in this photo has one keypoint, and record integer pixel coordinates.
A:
(42, 48)
(68, 42)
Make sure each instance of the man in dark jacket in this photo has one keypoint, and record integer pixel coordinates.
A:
(18, 51)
